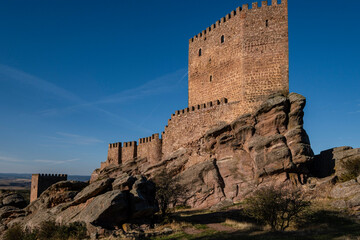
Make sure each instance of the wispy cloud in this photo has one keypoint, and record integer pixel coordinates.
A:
(157, 86)
(56, 162)
(76, 103)
(74, 139)
(354, 112)
(10, 159)
(13, 74)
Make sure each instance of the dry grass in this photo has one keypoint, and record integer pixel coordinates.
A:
(241, 226)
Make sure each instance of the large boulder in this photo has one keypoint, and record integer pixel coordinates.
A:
(14, 200)
(113, 207)
(97, 205)
(347, 193)
(123, 182)
(56, 194)
(332, 161)
(106, 210)
(92, 190)
(143, 198)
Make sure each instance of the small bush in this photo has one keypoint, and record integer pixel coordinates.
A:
(78, 230)
(47, 230)
(14, 233)
(352, 169)
(277, 207)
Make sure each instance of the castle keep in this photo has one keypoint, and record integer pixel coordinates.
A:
(233, 65)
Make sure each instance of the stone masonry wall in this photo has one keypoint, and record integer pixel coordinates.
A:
(40, 182)
(129, 151)
(244, 55)
(188, 125)
(114, 153)
(150, 147)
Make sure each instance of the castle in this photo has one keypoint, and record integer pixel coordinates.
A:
(233, 65)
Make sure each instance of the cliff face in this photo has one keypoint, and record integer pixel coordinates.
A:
(230, 161)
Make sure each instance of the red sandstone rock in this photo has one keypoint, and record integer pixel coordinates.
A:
(230, 160)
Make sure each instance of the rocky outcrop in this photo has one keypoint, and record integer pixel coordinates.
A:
(14, 200)
(11, 208)
(232, 159)
(99, 205)
(327, 183)
(332, 161)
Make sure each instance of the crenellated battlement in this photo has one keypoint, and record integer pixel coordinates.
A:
(148, 147)
(194, 109)
(198, 107)
(115, 145)
(53, 175)
(155, 136)
(129, 144)
(235, 13)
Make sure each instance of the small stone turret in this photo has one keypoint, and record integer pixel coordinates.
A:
(40, 182)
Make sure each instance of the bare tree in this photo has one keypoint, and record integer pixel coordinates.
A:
(276, 206)
(168, 192)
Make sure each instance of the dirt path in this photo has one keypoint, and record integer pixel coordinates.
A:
(220, 227)
(192, 231)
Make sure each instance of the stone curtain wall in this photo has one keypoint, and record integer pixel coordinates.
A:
(188, 125)
(149, 147)
(129, 151)
(244, 55)
(40, 182)
(184, 126)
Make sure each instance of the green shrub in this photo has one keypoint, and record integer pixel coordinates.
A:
(277, 207)
(48, 230)
(51, 230)
(14, 233)
(77, 230)
(352, 169)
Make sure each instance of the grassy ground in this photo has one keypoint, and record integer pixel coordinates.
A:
(317, 224)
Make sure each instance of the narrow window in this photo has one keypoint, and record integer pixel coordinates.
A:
(267, 23)
(210, 78)
(199, 52)
(222, 39)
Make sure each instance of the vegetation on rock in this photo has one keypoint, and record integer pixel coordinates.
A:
(352, 169)
(48, 230)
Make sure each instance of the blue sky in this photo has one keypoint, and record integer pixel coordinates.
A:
(77, 75)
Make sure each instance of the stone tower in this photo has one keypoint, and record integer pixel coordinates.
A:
(243, 57)
(40, 182)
